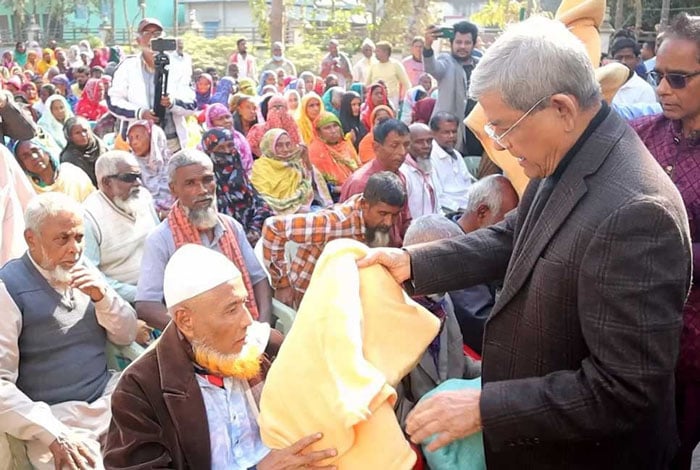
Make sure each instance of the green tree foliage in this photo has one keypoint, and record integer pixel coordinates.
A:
(498, 13)
(651, 11)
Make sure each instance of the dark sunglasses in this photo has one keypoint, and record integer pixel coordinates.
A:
(126, 177)
(675, 80)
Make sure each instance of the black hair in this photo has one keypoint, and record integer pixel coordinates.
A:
(82, 69)
(440, 117)
(464, 27)
(382, 130)
(624, 43)
(385, 187)
(238, 43)
(346, 118)
(49, 87)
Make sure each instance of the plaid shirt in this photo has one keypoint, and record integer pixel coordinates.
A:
(311, 231)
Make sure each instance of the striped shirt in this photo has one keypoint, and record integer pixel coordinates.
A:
(311, 232)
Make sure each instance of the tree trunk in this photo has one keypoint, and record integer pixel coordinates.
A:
(638, 10)
(665, 9)
(619, 14)
(277, 21)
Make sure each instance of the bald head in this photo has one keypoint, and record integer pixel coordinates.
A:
(421, 141)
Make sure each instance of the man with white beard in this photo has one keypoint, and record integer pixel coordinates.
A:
(57, 315)
(118, 218)
(417, 169)
(367, 217)
(191, 401)
(194, 219)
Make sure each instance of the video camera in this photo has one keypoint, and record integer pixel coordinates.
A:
(163, 45)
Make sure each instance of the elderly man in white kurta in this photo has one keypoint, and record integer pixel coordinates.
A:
(58, 314)
(118, 218)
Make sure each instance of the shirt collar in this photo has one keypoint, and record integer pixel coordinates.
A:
(676, 128)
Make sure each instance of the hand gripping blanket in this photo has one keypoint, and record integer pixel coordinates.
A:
(355, 336)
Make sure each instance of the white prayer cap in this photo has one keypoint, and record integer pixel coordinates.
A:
(193, 270)
(368, 42)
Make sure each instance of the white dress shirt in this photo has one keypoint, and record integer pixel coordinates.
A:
(419, 189)
(635, 91)
(451, 178)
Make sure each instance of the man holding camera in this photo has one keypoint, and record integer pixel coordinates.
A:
(132, 94)
(452, 71)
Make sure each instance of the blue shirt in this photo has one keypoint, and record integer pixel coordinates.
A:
(160, 246)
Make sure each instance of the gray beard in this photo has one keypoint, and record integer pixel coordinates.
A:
(205, 218)
(377, 238)
(424, 164)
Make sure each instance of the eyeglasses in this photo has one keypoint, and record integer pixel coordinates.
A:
(126, 177)
(676, 81)
(491, 132)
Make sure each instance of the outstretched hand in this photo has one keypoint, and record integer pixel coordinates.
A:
(397, 261)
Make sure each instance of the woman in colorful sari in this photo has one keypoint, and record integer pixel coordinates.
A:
(217, 115)
(310, 108)
(366, 148)
(57, 112)
(63, 87)
(47, 61)
(277, 117)
(331, 154)
(350, 118)
(20, 54)
(46, 174)
(7, 60)
(235, 195)
(376, 96)
(150, 146)
(204, 88)
(32, 61)
(284, 176)
(223, 91)
(91, 104)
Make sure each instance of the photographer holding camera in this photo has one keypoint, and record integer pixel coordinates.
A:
(132, 95)
(453, 72)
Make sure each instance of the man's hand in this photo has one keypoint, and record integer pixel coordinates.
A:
(451, 415)
(431, 34)
(397, 261)
(149, 115)
(71, 453)
(165, 101)
(286, 295)
(293, 457)
(89, 281)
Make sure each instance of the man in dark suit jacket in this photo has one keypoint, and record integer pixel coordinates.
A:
(580, 348)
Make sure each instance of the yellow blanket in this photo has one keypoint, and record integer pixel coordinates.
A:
(582, 17)
(355, 336)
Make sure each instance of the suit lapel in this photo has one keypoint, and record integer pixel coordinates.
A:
(183, 398)
(535, 235)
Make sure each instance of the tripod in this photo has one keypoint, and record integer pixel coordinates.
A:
(162, 63)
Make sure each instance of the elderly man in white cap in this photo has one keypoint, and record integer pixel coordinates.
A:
(361, 69)
(192, 400)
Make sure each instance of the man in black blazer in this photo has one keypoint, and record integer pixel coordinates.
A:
(580, 347)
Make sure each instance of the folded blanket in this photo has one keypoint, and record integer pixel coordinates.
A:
(355, 336)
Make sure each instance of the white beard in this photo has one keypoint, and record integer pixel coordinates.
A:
(424, 164)
(205, 218)
(129, 205)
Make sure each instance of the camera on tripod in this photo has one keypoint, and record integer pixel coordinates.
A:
(163, 45)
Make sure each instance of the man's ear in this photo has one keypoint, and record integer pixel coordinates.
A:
(182, 316)
(482, 211)
(31, 238)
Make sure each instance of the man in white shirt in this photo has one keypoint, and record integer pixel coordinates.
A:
(361, 69)
(118, 218)
(450, 174)
(417, 170)
(636, 90)
(58, 314)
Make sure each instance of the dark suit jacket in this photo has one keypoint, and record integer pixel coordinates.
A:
(158, 414)
(580, 347)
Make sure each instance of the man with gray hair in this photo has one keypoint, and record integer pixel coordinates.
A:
(581, 345)
(58, 314)
(279, 61)
(444, 358)
(118, 218)
(194, 219)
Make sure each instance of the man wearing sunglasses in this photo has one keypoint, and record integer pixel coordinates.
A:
(635, 90)
(580, 348)
(673, 138)
(118, 218)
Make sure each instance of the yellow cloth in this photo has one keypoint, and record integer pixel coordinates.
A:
(355, 336)
(582, 17)
(71, 181)
(281, 185)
